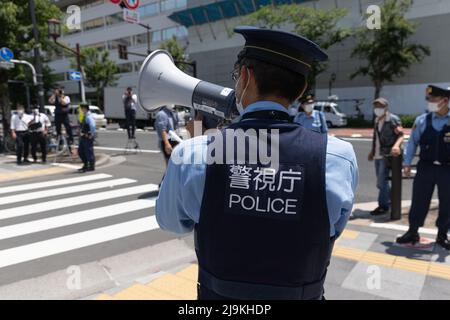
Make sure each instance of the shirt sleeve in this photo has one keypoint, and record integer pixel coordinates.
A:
(161, 122)
(414, 140)
(341, 183)
(13, 122)
(324, 122)
(67, 99)
(92, 125)
(179, 203)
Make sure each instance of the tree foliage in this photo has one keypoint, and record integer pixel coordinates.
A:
(387, 51)
(319, 26)
(176, 51)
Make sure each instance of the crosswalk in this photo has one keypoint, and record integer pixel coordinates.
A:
(71, 214)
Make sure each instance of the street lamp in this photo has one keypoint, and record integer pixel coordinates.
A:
(54, 28)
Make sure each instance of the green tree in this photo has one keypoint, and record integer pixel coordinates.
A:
(319, 26)
(176, 51)
(387, 51)
(99, 70)
(16, 33)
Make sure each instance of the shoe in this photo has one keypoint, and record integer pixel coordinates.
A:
(44, 161)
(411, 236)
(83, 169)
(26, 161)
(378, 211)
(19, 163)
(91, 167)
(443, 241)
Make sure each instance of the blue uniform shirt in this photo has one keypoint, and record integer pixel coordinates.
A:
(419, 128)
(166, 120)
(316, 121)
(180, 198)
(90, 121)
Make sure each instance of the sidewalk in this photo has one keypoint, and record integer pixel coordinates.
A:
(358, 132)
(366, 264)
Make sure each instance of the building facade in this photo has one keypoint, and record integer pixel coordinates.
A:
(103, 27)
(210, 35)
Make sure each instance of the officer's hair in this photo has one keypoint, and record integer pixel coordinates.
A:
(274, 80)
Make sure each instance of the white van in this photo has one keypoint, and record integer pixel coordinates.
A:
(333, 116)
(97, 114)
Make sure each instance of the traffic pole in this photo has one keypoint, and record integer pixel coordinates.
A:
(37, 57)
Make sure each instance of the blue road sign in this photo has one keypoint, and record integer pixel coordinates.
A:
(74, 75)
(6, 54)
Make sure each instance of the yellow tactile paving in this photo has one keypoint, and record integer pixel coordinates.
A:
(104, 297)
(348, 253)
(185, 289)
(30, 173)
(350, 234)
(378, 258)
(411, 265)
(142, 292)
(189, 273)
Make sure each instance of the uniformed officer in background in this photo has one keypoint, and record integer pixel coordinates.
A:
(21, 134)
(39, 126)
(87, 136)
(431, 132)
(263, 253)
(310, 118)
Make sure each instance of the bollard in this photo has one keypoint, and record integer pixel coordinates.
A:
(396, 188)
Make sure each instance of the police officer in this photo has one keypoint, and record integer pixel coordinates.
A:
(20, 133)
(431, 132)
(263, 233)
(86, 146)
(310, 118)
(166, 120)
(38, 126)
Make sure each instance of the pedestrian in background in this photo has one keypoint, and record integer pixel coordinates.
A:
(166, 121)
(311, 119)
(386, 143)
(87, 136)
(61, 103)
(129, 104)
(20, 133)
(38, 127)
(431, 131)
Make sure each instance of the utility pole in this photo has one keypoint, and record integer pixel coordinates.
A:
(149, 38)
(37, 57)
(80, 83)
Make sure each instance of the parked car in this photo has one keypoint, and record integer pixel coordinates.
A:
(333, 115)
(99, 117)
(50, 112)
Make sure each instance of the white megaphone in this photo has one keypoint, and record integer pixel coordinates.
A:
(162, 83)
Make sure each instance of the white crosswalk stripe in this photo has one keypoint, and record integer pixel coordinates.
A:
(70, 209)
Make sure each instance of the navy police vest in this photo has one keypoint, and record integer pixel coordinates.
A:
(435, 145)
(264, 234)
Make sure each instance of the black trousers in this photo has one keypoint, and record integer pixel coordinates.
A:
(86, 150)
(130, 123)
(63, 119)
(428, 176)
(38, 138)
(22, 145)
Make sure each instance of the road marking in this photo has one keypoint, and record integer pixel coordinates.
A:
(79, 240)
(53, 183)
(21, 229)
(74, 201)
(123, 149)
(63, 191)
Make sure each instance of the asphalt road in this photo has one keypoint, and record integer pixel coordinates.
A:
(54, 228)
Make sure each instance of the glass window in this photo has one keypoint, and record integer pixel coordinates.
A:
(141, 39)
(182, 32)
(181, 3)
(125, 67)
(168, 33)
(114, 19)
(156, 36)
(137, 65)
(149, 10)
(168, 5)
(93, 24)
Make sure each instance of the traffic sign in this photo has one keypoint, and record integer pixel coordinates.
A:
(74, 75)
(115, 1)
(6, 54)
(131, 16)
(6, 65)
(131, 4)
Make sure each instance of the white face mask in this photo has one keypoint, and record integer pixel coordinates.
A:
(20, 113)
(308, 107)
(434, 106)
(379, 112)
(239, 105)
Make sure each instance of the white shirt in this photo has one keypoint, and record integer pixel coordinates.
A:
(20, 123)
(42, 118)
(133, 101)
(66, 100)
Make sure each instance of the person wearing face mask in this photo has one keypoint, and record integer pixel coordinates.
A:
(310, 118)
(39, 126)
(431, 132)
(20, 133)
(264, 251)
(386, 143)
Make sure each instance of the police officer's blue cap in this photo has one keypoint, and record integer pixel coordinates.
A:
(436, 91)
(280, 48)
